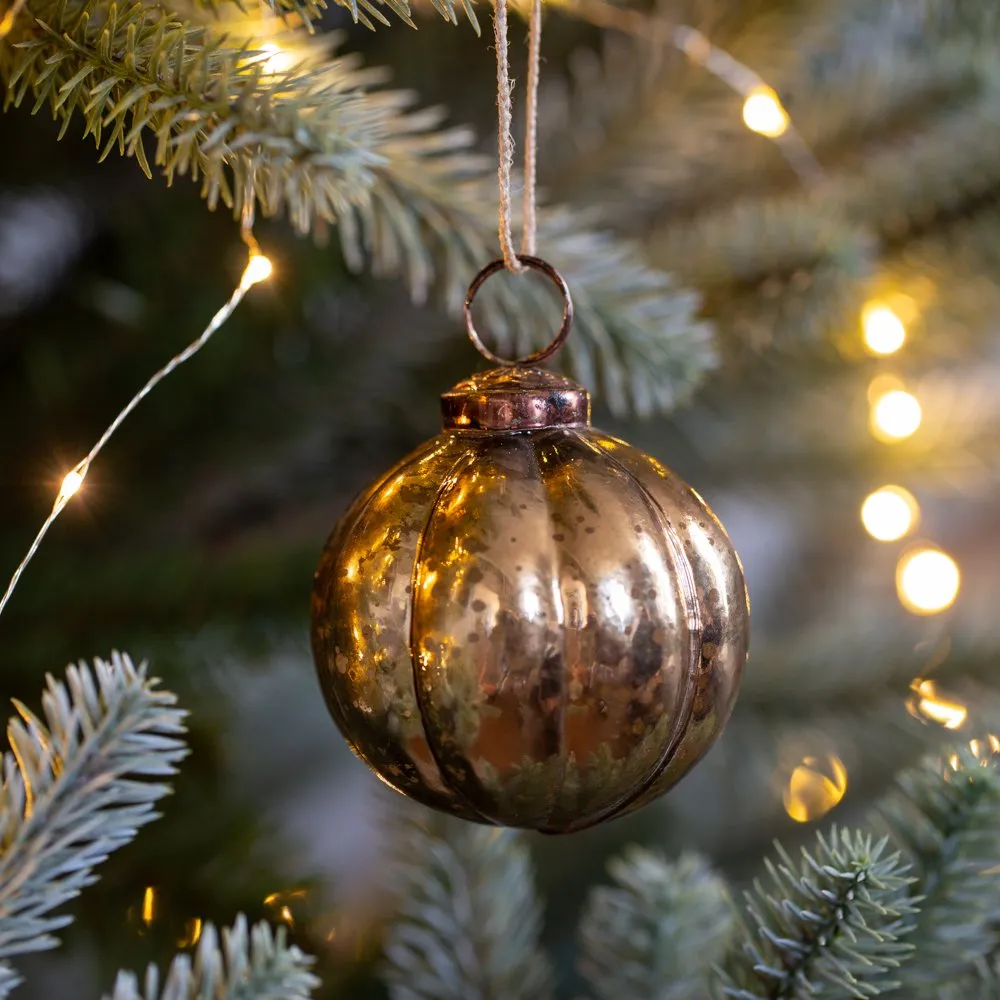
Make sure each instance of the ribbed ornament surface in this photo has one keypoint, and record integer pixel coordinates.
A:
(539, 628)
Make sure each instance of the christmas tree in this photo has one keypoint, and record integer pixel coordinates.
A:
(778, 219)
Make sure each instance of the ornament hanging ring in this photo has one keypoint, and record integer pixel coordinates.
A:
(537, 264)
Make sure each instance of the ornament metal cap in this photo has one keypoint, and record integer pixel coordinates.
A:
(515, 399)
(516, 396)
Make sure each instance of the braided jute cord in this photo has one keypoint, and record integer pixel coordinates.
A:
(506, 140)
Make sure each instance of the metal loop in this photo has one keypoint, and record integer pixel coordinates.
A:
(537, 264)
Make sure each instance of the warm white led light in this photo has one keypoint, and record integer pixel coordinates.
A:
(258, 269)
(71, 484)
(889, 513)
(883, 330)
(927, 581)
(895, 415)
(763, 113)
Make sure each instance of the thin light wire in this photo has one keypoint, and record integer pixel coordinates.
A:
(257, 269)
(505, 140)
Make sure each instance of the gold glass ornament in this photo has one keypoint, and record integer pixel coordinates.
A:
(527, 621)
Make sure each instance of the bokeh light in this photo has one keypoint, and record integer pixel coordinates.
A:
(815, 787)
(930, 704)
(895, 415)
(884, 331)
(889, 513)
(927, 581)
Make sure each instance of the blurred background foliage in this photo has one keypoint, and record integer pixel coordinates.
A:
(195, 539)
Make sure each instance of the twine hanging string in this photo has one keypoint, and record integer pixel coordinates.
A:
(511, 260)
(506, 140)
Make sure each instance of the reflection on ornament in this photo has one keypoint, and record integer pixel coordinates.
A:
(927, 581)
(889, 513)
(538, 625)
(815, 787)
(985, 748)
(192, 933)
(895, 415)
(281, 903)
(883, 329)
(148, 905)
(928, 703)
(763, 113)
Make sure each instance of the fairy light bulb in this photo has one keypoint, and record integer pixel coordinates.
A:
(895, 415)
(258, 269)
(927, 581)
(71, 484)
(883, 330)
(763, 113)
(889, 513)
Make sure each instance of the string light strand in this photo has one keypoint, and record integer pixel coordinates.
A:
(258, 268)
(762, 109)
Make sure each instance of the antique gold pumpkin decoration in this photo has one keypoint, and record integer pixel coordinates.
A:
(527, 621)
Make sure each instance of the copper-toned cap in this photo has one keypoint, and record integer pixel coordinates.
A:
(515, 399)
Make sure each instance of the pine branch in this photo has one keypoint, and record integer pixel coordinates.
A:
(321, 145)
(364, 12)
(468, 921)
(290, 11)
(831, 926)
(776, 273)
(254, 966)
(661, 133)
(945, 815)
(656, 934)
(8, 979)
(895, 99)
(69, 795)
(301, 142)
(982, 983)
